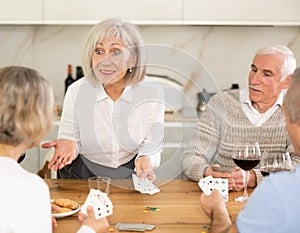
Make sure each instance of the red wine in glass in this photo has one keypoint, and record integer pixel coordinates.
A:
(266, 171)
(246, 156)
(246, 163)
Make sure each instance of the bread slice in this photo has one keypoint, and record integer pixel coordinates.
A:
(67, 203)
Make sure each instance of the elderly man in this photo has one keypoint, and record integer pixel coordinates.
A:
(243, 116)
(274, 204)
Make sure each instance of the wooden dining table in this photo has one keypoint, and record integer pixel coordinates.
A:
(176, 208)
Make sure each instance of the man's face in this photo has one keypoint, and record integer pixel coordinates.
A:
(265, 76)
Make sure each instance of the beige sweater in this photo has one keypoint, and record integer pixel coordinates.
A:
(223, 125)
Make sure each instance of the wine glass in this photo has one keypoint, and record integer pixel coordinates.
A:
(275, 161)
(246, 156)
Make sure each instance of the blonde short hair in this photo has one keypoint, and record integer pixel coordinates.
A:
(126, 32)
(26, 106)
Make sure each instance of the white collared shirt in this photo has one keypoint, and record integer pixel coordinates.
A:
(110, 132)
(255, 117)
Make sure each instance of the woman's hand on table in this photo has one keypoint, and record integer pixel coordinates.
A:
(54, 208)
(144, 168)
(65, 153)
(99, 225)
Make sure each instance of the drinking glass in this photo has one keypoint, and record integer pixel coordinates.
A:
(101, 183)
(275, 161)
(246, 156)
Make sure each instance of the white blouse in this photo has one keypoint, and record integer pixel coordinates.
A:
(112, 133)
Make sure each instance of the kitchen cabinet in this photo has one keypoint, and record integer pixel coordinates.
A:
(21, 12)
(152, 12)
(241, 12)
(93, 11)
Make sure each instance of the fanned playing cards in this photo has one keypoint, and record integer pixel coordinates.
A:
(100, 202)
(144, 186)
(209, 183)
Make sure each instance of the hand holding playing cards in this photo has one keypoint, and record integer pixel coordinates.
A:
(235, 176)
(212, 202)
(99, 225)
(100, 202)
(144, 168)
(215, 208)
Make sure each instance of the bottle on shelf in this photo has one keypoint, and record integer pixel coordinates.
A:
(69, 80)
(79, 72)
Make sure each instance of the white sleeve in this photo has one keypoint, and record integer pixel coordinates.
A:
(69, 127)
(85, 229)
(154, 140)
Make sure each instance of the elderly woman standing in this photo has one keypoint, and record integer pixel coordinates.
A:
(112, 120)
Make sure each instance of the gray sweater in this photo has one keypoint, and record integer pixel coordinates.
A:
(224, 124)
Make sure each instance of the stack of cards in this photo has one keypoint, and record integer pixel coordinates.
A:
(209, 183)
(144, 186)
(134, 227)
(100, 202)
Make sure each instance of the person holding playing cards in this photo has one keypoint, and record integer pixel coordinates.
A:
(26, 111)
(274, 204)
(113, 119)
(241, 116)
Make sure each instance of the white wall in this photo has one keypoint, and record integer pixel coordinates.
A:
(226, 52)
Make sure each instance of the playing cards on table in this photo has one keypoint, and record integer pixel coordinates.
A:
(144, 186)
(209, 183)
(100, 202)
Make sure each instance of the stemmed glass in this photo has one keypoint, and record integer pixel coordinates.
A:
(275, 161)
(246, 156)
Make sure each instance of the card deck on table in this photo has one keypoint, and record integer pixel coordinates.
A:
(144, 186)
(100, 202)
(209, 183)
(134, 227)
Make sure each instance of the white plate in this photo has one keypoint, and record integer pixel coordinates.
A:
(65, 214)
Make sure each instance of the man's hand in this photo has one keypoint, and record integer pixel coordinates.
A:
(65, 153)
(214, 207)
(144, 168)
(236, 177)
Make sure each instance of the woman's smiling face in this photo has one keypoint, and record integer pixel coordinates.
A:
(111, 61)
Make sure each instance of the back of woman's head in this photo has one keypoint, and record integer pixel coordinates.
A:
(26, 106)
(291, 99)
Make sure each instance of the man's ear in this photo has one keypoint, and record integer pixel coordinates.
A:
(287, 81)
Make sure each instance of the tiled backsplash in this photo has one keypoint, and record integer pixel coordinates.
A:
(224, 53)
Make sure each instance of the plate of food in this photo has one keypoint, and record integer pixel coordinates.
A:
(67, 207)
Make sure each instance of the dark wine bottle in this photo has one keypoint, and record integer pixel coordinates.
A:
(69, 80)
(79, 72)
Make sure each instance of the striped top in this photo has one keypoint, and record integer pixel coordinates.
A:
(225, 124)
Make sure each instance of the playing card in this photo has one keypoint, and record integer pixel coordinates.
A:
(144, 186)
(100, 202)
(222, 186)
(209, 183)
(206, 184)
